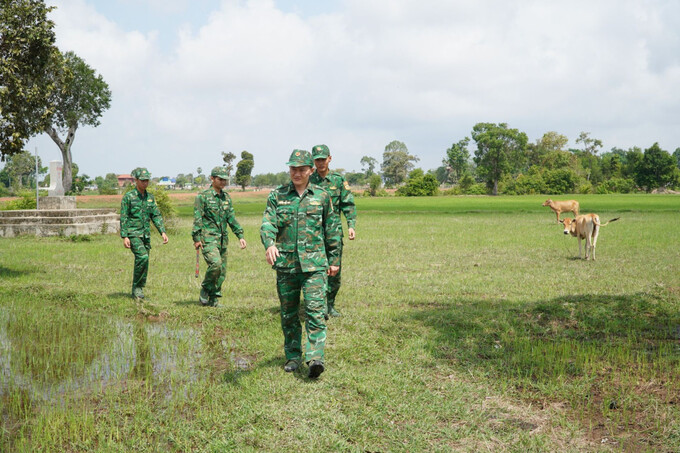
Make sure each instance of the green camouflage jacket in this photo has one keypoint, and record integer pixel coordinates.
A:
(304, 229)
(341, 195)
(136, 210)
(212, 213)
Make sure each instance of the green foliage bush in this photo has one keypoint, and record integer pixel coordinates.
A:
(108, 190)
(616, 185)
(585, 187)
(560, 181)
(26, 200)
(374, 189)
(419, 185)
(531, 183)
(477, 189)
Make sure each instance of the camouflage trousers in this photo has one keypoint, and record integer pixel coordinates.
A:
(140, 247)
(215, 255)
(313, 287)
(334, 284)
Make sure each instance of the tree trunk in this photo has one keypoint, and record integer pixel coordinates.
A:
(65, 148)
(495, 186)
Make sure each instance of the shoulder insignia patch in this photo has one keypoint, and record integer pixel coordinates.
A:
(346, 184)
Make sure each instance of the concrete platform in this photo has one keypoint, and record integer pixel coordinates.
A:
(58, 222)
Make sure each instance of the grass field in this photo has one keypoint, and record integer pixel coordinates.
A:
(469, 325)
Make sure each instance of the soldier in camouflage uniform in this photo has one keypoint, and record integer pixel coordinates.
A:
(301, 237)
(343, 200)
(213, 211)
(137, 208)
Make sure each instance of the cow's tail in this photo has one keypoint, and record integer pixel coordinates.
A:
(608, 222)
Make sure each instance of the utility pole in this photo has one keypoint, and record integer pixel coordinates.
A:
(37, 198)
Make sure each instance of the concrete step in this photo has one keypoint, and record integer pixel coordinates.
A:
(59, 220)
(55, 222)
(67, 229)
(55, 212)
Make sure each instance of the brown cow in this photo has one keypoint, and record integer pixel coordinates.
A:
(559, 207)
(585, 227)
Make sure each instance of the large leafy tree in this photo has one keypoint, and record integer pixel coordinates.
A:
(20, 170)
(244, 169)
(551, 143)
(27, 63)
(458, 158)
(397, 162)
(500, 150)
(228, 159)
(657, 169)
(368, 164)
(80, 98)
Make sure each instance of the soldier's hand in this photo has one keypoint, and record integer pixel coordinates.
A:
(165, 238)
(333, 270)
(198, 245)
(271, 254)
(242, 243)
(126, 243)
(351, 234)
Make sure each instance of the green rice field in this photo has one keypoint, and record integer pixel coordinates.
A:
(469, 324)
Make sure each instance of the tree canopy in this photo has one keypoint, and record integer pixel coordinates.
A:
(28, 57)
(499, 151)
(80, 98)
(457, 158)
(244, 169)
(228, 159)
(657, 169)
(397, 162)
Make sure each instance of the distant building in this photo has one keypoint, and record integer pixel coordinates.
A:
(125, 179)
(167, 183)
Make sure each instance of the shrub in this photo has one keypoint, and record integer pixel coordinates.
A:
(419, 185)
(108, 190)
(374, 183)
(531, 183)
(477, 189)
(26, 200)
(616, 185)
(585, 187)
(560, 181)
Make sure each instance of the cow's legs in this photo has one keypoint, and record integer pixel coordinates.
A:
(596, 232)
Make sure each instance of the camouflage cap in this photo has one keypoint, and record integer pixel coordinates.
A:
(141, 174)
(300, 158)
(220, 172)
(320, 152)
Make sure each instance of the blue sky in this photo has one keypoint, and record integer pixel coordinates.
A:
(191, 79)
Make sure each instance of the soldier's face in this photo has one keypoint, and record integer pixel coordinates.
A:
(218, 183)
(300, 175)
(321, 164)
(142, 184)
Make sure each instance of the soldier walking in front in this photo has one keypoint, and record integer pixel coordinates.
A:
(137, 208)
(213, 211)
(343, 201)
(301, 238)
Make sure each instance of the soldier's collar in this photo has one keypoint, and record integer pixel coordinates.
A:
(291, 187)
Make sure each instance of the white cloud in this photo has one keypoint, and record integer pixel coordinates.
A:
(257, 78)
